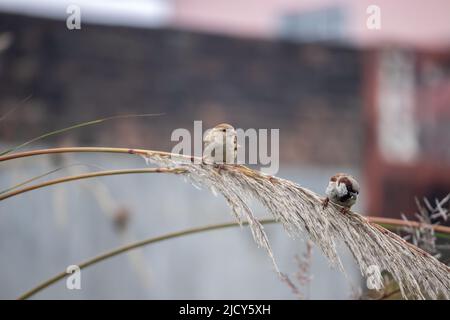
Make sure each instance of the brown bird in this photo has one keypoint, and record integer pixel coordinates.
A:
(343, 190)
(220, 145)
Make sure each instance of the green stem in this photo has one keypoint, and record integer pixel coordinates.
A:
(16, 192)
(138, 244)
(46, 174)
(76, 126)
(142, 152)
(132, 246)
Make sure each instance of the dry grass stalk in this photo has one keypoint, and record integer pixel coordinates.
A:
(303, 275)
(429, 217)
(15, 190)
(418, 274)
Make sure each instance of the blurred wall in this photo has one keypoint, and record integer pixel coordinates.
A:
(412, 23)
(312, 93)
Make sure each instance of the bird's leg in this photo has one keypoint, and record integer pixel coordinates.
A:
(325, 202)
(219, 167)
(345, 210)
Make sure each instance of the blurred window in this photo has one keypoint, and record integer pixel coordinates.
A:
(318, 25)
(397, 127)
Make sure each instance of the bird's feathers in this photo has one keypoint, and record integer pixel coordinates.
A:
(342, 189)
(220, 144)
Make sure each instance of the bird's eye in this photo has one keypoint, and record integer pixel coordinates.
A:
(224, 130)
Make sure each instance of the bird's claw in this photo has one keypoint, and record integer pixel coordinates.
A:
(344, 210)
(325, 203)
(219, 167)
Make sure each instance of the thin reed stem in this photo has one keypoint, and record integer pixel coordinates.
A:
(301, 211)
(32, 153)
(77, 126)
(123, 249)
(132, 246)
(402, 223)
(86, 176)
(20, 184)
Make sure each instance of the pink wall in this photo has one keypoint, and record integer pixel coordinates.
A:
(418, 23)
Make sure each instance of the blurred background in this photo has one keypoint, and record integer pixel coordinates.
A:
(346, 97)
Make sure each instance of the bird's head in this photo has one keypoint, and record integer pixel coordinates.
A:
(346, 185)
(351, 185)
(220, 142)
(221, 130)
(223, 127)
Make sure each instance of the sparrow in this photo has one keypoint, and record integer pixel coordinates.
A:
(220, 145)
(343, 190)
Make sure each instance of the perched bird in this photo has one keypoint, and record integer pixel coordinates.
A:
(220, 145)
(343, 190)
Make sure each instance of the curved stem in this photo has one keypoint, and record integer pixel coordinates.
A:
(377, 220)
(86, 176)
(77, 126)
(142, 152)
(403, 223)
(20, 184)
(131, 246)
(142, 243)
